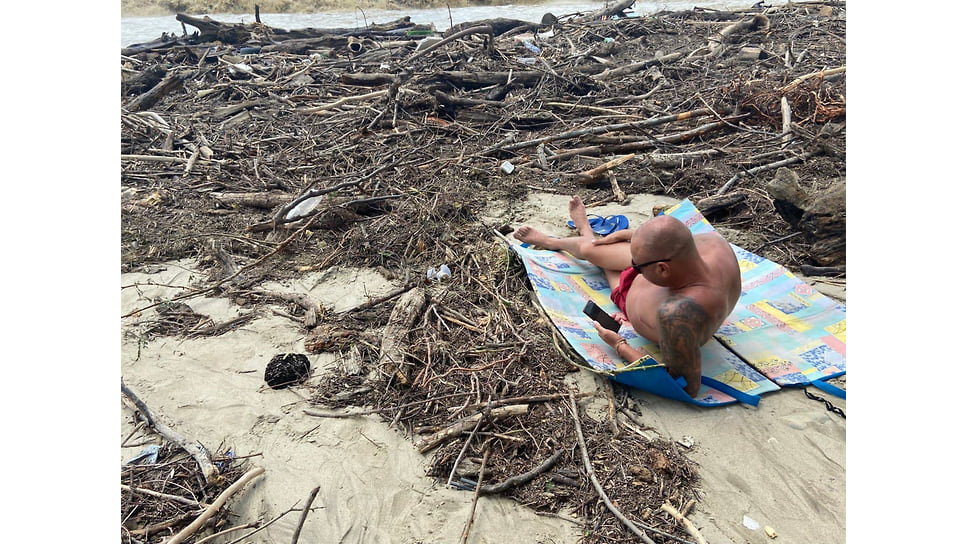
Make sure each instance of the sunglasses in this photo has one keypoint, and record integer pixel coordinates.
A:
(638, 267)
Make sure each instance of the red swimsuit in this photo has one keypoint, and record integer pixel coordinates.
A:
(624, 284)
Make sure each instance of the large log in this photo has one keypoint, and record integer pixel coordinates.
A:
(143, 81)
(146, 100)
(822, 218)
(475, 80)
(210, 30)
(607, 12)
(499, 26)
(825, 225)
(393, 353)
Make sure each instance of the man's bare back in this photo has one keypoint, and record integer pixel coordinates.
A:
(681, 290)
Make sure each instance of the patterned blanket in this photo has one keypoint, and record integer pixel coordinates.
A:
(781, 333)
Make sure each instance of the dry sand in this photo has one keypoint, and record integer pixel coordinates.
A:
(782, 464)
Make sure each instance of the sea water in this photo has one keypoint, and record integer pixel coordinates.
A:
(145, 29)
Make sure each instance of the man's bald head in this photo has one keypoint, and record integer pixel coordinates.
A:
(662, 237)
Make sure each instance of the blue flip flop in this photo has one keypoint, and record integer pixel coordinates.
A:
(620, 222)
(593, 220)
(605, 225)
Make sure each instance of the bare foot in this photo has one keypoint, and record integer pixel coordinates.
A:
(531, 235)
(576, 210)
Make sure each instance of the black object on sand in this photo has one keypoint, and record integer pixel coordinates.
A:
(286, 369)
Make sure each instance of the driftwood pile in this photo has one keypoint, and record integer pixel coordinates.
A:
(266, 153)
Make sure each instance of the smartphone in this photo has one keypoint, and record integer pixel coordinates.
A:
(593, 311)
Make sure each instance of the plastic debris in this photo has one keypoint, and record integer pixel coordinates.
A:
(769, 531)
(750, 523)
(532, 47)
(304, 208)
(507, 167)
(147, 456)
(686, 441)
(427, 42)
(438, 274)
(526, 60)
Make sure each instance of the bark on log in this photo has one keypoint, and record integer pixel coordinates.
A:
(717, 203)
(146, 100)
(824, 224)
(826, 271)
(143, 81)
(301, 46)
(602, 129)
(789, 199)
(607, 12)
(210, 30)
(478, 29)
(822, 218)
(613, 73)
(367, 80)
(393, 354)
(717, 42)
(498, 25)
(476, 80)
(265, 201)
(591, 176)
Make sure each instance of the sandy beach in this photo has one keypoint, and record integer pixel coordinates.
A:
(781, 464)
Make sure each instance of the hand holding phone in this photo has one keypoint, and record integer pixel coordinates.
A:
(595, 312)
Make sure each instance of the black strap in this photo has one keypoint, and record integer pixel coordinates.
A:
(830, 407)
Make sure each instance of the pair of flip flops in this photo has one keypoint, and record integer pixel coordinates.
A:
(605, 225)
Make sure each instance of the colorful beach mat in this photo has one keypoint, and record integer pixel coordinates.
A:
(781, 333)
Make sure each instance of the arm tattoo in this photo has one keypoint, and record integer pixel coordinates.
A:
(682, 324)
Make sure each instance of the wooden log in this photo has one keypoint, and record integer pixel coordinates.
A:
(789, 199)
(301, 46)
(613, 73)
(591, 176)
(476, 80)
(148, 99)
(717, 42)
(607, 11)
(677, 138)
(826, 271)
(498, 26)
(717, 203)
(393, 348)
(468, 423)
(367, 80)
(263, 200)
(445, 99)
(820, 73)
(602, 129)
(479, 29)
(824, 224)
(210, 30)
(143, 81)
(678, 160)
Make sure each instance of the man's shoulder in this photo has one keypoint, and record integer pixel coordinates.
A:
(682, 305)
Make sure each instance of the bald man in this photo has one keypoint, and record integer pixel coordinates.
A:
(674, 288)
